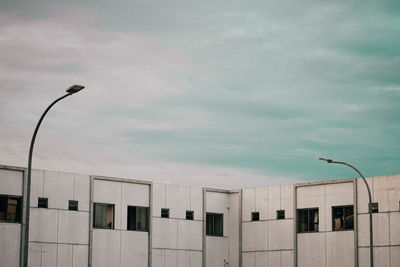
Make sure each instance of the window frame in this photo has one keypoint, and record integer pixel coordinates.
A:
(18, 212)
(147, 226)
(213, 232)
(94, 216)
(308, 220)
(343, 217)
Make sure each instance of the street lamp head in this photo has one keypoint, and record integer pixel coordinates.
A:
(327, 160)
(74, 88)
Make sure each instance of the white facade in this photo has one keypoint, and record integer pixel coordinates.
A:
(252, 234)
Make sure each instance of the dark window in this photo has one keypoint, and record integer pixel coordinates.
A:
(214, 224)
(280, 214)
(138, 218)
(255, 216)
(10, 208)
(73, 205)
(103, 216)
(164, 213)
(342, 218)
(43, 202)
(189, 215)
(374, 207)
(307, 220)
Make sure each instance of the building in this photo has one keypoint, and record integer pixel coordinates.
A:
(81, 220)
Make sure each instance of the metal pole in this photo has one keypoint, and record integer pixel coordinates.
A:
(371, 241)
(28, 191)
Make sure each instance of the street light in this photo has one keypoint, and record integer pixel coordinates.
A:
(70, 91)
(371, 242)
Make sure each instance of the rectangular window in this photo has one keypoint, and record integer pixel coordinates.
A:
(73, 205)
(43, 202)
(189, 215)
(138, 219)
(307, 220)
(375, 207)
(280, 214)
(342, 218)
(103, 216)
(164, 213)
(255, 216)
(214, 224)
(10, 208)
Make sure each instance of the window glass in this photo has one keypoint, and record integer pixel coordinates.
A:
(3, 208)
(164, 213)
(280, 214)
(214, 224)
(73, 205)
(342, 218)
(255, 216)
(189, 215)
(138, 218)
(43, 202)
(307, 220)
(10, 208)
(103, 216)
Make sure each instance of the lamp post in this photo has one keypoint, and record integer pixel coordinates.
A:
(70, 91)
(371, 241)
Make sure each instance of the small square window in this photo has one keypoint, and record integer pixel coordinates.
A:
(43, 202)
(73, 205)
(255, 216)
(189, 215)
(280, 214)
(138, 218)
(164, 213)
(375, 207)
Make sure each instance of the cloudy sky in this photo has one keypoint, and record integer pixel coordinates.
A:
(219, 93)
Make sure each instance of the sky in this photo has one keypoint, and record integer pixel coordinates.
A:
(226, 94)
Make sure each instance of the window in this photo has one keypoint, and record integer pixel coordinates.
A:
(214, 224)
(280, 214)
(103, 216)
(10, 208)
(255, 216)
(189, 215)
(375, 207)
(342, 218)
(138, 218)
(43, 202)
(307, 220)
(164, 213)
(73, 205)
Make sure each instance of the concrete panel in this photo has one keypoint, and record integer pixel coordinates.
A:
(49, 255)
(165, 233)
(106, 248)
(82, 191)
(248, 203)
(73, 227)
(157, 258)
(234, 204)
(133, 195)
(262, 202)
(387, 192)
(380, 228)
(43, 225)
(311, 250)
(218, 203)
(339, 194)
(109, 192)
(64, 255)
(10, 235)
(382, 256)
(37, 177)
(134, 249)
(158, 199)
(183, 258)
(172, 201)
(287, 200)
(362, 195)
(274, 258)
(363, 257)
(80, 255)
(287, 258)
(394, 228)
(340, 249)
(190, 234)
(274, 201)
(58, 188)
(393, 192)
(171, 258)
(216, 251)
(196, 259)
(11, 182)
(249, 259)
(394, 256)
(196, 202)
(313, 197)
(184, 202)
(255, 236)
(35, 255)
(262, 259)
(280, 234)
